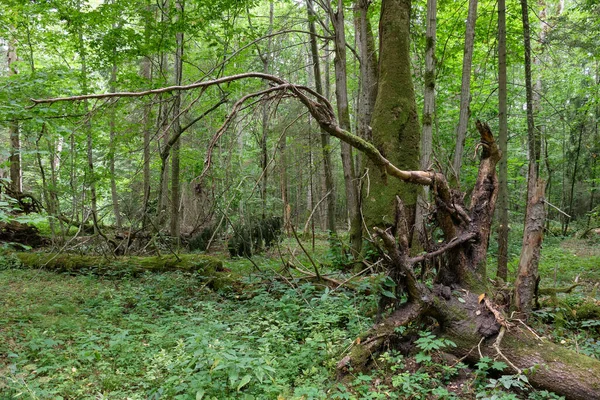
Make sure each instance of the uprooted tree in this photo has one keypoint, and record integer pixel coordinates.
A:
(466, 306)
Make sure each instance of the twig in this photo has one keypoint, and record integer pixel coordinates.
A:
(318, 275)
(497, 314)
(556, 208)
(496, 346)
(479, 347)
(352, 277)
(453, 243)
(315, 209)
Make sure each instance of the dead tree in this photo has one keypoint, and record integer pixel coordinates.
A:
(462, 299)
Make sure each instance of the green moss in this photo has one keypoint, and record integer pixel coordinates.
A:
(430, 79)
(74, 262)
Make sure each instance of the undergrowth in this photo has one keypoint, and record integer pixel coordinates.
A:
(166, 336)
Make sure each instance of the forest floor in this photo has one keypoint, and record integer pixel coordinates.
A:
(168, 335)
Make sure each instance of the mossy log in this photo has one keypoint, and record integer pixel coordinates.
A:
(474, 329)
(208, 266)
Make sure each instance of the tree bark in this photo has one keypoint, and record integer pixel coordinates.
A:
(428, 113)
(113, 149)
(146, 73)
(16, 179)
(465, 91)
(90, 173)
(175, 220)
(325, 141)
(395, 122)
(527, 275)
(502, 271)
(341, 93)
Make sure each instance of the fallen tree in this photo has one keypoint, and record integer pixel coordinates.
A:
(210, 267)
(462, 299)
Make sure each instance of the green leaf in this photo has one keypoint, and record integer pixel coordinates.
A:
(200, 394)
(245, 379)
(387, 293)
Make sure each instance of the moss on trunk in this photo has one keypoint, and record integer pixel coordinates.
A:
(395, 122)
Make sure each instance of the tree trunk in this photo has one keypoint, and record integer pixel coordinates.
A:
(535, 216)
(325, 145)
(428, 113)
(502, 271)
(395, 119)
(16, 179)
(113, 149)
(90, 173)
(264, 156)
(465, 91)
(175, 183)
(368, 69)
(146, 73)
(533, 235)
(341, 92)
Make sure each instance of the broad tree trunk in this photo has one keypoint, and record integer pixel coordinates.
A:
(395, 122)
(502, 271)
(465, 91)
(325, 140)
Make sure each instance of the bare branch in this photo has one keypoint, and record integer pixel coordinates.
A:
(450, 245)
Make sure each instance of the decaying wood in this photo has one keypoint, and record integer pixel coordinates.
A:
(65, 262)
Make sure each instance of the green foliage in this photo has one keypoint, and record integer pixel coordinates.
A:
(167, 336)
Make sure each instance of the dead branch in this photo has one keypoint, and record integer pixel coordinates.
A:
(450, 245)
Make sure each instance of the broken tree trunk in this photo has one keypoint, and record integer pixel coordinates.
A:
(64, 262)
(460, 298)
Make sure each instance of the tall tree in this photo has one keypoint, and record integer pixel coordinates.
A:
(113, 144)
(428, 108)
(16, 180)
(325, 140)
(178, 74)
(343, 108)
(395, 123)
(368, 68)
(527, 273)
(465, 90)
(502, 271)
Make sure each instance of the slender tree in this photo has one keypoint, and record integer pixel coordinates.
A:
(428, 110)
(465, 90)
(175, 150)
(343, 108)
(502, 271)
(16, 180)
(325, 140)
(527, 274)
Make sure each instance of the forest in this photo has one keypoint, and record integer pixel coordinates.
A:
(299, 199)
